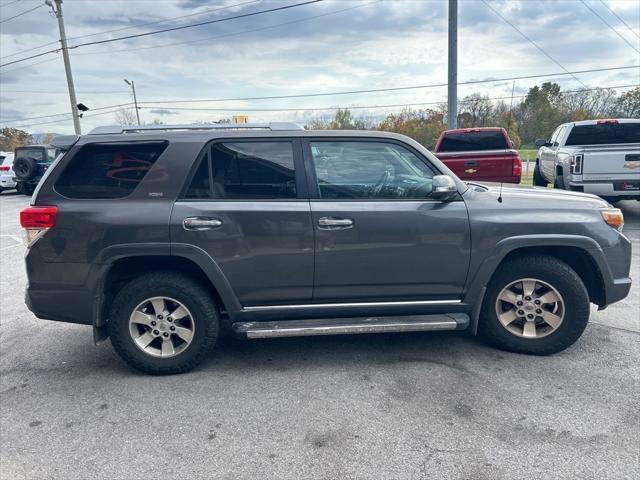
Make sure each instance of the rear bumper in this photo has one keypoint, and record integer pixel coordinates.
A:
(604, 189)
(71, 305)
(7, 181)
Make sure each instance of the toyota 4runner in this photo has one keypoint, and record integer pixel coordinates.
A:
(156, 236)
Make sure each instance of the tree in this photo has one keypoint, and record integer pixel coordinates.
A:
(47, 138)
(539, 114)
(475, 111)
(11, 138)
(342, 120)
(628, 105)
(125, 117)
(424, 126)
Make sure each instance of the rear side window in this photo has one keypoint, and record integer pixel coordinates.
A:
(102, 170)
(604, 134)
(472, 141)
(245, 171)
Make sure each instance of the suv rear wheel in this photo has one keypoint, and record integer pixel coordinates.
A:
(536, 305)
(163, 323)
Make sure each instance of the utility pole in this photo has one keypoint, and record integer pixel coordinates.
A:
(67, 65)
(135, 99)
(452, 97)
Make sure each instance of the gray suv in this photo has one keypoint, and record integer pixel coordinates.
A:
(159, 236)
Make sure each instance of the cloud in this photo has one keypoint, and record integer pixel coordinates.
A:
(377, 45)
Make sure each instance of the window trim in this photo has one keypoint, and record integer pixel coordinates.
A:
(71, 158)
(314, 188)
(298, 166)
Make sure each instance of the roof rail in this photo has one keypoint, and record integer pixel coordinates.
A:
(112, 129)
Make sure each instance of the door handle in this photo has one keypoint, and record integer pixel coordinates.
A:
(201, 223)
(333, 223)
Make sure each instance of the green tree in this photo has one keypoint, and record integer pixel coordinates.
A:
(628, 104)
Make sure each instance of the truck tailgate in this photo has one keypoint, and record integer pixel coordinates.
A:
(487, 165)
(611, 162)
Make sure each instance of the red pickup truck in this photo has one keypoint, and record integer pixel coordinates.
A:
(481, 154)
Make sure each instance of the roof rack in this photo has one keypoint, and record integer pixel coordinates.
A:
(112, 129)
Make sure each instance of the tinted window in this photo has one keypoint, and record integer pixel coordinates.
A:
(369, 170)
(108, 170)
(200, 186)
(604, 133)
(471, 141)
(253, 170)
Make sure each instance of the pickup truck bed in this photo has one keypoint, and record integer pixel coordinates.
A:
(480, 154)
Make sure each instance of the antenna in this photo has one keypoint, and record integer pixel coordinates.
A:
(500, 195)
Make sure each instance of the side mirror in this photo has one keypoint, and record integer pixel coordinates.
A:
(443, 187)
(541, 142)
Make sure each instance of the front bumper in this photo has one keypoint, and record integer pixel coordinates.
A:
(7, 181)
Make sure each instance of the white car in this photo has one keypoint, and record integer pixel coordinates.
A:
(7, 181)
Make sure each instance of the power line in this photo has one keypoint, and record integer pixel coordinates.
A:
(531, 42)
(132, 26)
(608, 25)
(620, 18)
(390, 89)
(377, 90)
(353, 107)
(22, 13)
(182, 27)
(120, 105)
(9, 3)
(231, 34)
(359, 107)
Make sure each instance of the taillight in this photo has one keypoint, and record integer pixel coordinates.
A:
(576, 164)
(516, 169)
(4, 168)
(36, 221)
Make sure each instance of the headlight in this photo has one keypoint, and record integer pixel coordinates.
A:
(613, 217)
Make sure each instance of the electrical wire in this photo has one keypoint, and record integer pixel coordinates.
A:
(532, 42)
(620, 18)
(22, 13)
(231, 34)
(390, 89)
(360, 107)
(132, 26)
(172, 29)
(609, 25)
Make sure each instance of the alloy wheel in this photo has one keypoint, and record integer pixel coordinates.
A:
(161, 327)
(530, 308)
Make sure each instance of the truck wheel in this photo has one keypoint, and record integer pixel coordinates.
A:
(536, 305)
(559, 182)
(163, 323)
(538, 179)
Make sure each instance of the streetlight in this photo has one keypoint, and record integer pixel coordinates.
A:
(135, 100)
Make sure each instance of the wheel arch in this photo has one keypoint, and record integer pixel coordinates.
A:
(582, 254)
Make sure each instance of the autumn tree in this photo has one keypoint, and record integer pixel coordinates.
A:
(11, 138)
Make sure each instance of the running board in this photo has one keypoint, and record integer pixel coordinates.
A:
(340, 326)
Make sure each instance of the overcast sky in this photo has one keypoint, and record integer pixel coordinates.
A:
(330, 46)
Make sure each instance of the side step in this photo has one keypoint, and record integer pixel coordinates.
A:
(339, 326)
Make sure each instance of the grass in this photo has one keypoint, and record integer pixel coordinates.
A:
(528, 154)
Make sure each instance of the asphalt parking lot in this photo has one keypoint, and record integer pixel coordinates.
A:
(396, 406)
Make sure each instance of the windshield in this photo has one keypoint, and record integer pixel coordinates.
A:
(604, 134)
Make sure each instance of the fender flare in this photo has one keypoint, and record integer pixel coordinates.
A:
(107, 257)
(475, 292)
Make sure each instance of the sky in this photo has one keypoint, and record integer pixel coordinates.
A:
(323, 47)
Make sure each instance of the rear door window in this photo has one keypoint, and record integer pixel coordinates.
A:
(247, 170)
(605, 133)
(102, 170)
(473, 141)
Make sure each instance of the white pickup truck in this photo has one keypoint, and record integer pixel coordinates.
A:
(593, 156)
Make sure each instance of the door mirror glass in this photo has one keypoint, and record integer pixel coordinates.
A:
(444, 187)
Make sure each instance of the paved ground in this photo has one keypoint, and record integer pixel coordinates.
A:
(380, 406)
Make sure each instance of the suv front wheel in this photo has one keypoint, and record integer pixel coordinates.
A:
(163, 323)
(536, 305)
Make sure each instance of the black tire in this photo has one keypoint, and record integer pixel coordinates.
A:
(559, 182)
(25, 168)
(557, 274)
(188, 292)
(538, 179)
(25, 189)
